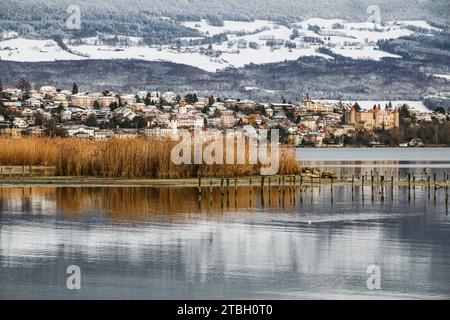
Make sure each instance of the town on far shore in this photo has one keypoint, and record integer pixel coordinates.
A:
(51, 111)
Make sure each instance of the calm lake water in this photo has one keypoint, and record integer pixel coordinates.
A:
(150, 243)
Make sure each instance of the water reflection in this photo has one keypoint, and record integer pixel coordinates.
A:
(161, 243)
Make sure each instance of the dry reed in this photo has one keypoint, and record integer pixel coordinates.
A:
(126, 158)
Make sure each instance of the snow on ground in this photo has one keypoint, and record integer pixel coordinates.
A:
(364, 53)
(417, 23)
(228, 27)
(354, 40)
(443, 76)
(368, 104)
(151, 54)
(20, 49)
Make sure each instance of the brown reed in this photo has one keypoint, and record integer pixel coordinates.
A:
(127, 158)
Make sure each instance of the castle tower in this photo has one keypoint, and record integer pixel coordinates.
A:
(396, 118)
(350, 116)
(182, 109)
(376, 118)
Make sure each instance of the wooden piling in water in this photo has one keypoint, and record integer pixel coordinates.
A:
(435, 188)
(382, 188)
(228, 192)
(210, 191)
(446, 196)
(331, 190)
(434, 181)
(235, 192)
(392, 187)
(300, 188)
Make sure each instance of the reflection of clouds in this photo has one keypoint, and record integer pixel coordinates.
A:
(251, 249)
(210, 250)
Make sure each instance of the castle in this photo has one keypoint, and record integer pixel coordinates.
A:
(375, 119)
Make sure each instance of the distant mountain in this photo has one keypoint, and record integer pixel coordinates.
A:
(44, 17)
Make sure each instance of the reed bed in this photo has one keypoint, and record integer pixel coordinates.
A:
(123, 158)
(29, 151)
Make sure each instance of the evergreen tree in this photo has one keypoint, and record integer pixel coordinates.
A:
(24, 85)
(211, 100)
(97, 105)
(75, 88)
(91, 121)
(147, 99)
(113, 106)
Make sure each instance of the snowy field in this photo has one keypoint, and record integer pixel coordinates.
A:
(257, 42)
(368, 104)
(443, 76)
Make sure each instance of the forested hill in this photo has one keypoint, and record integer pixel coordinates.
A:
(140, 17)
(348, 79)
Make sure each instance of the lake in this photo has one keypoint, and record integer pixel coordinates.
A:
(162, 243)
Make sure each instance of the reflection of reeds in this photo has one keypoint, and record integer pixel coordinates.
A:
(138, 204)
(127, 158)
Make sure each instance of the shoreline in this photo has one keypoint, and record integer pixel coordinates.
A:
(253, 181)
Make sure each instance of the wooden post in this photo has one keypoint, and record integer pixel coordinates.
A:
(435, 188)
(409, 186)
(279, 184)
(10, 172)
(235, 192)
(353, 187)
(434, 181)
(382, 188)
(210, 191)
(446, 196)
(221, 191)
(23, 171)
(392, 187)
(1, 172)
(228, 192)
(250, 187)
(199, 188)
(331, 190)
(371, 181)
(262, 191)
(31, 171)
(300, 188)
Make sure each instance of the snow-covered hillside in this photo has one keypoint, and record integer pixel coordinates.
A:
(257, 42)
